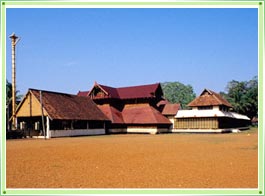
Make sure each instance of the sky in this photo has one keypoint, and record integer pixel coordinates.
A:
(67, 50)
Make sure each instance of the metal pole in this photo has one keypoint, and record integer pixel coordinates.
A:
(14, 39)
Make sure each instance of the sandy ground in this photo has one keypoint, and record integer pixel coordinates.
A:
(135, 161)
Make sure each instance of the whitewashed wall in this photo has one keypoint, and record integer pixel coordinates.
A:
(152, 130)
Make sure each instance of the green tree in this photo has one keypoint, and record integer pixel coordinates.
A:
(252, 97)
(9, 101)
(243, 96)
(9, 93)
(176, 92)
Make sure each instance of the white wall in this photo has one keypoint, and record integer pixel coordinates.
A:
(152, 130)
(216, 107)
(76, 132)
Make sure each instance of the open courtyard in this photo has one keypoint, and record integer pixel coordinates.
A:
(135, 161)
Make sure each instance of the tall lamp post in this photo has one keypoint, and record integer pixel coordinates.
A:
(14, 40)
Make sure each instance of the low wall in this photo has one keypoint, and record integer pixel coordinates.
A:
(152, 130)
(76, 132)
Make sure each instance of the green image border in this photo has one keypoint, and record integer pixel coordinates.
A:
(258, 191)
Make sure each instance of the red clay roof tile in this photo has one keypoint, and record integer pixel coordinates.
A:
(112, 92)
(132, 92)
(143, 91)
(83, 93)
(171, 109)
(69, 107)
(209, 98)
(143, 114)
(114, 115)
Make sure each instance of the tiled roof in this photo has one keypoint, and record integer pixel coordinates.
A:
(209, 98)
(83, 93)
(171, 109)
(68, 107)
(134, 114)
(143, 114)
(112, 92)
(114, 115)
(132, 92)
(143, 91)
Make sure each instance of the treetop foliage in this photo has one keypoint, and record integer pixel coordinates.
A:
(243, 95)
(176, 92)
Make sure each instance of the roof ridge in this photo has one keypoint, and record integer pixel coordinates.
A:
(208, 90)
(105, 85)
(217, 97)
(109, 108)
(138, 85)
(129, 92)
(119, 112)
(54, 92)
(220, 98)
(214, 95)
(153, 113)
(157, 83)
(102, 87)
(152, 109)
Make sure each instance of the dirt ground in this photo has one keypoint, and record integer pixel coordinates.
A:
(135, 161)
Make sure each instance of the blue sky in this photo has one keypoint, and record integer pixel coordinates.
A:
(67, 50)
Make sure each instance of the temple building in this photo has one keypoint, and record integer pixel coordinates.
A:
(134, 109)
(52, 114)
(210, 112)
(131, 109)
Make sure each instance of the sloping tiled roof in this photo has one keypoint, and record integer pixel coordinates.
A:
(143, 91)
(69, 107)
(112, 92)
(132, 92)
(171, 109)
(83, 93)
(112, 113)
(134, 114)
(143, 114)
(209, 98)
